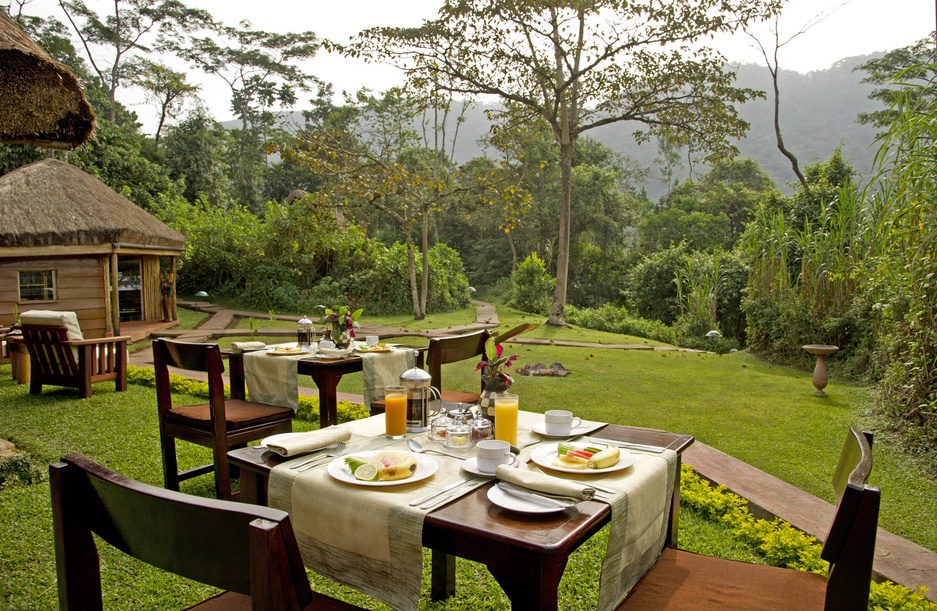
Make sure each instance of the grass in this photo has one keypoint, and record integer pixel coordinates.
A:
(762, 414)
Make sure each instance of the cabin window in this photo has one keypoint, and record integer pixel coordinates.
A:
(37, 285)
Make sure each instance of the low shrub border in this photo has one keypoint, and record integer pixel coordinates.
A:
(780, 543)
(308, 409)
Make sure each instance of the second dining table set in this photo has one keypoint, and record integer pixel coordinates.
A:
(365, 502)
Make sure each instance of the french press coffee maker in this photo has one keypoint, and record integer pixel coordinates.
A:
(420, 393)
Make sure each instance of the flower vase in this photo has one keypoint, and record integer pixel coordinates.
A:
(486, 400)
(342, 340)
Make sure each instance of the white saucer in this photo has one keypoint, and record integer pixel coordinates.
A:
(471, 465)
(540, 428)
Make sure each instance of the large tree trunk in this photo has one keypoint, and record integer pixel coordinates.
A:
(424, 288)
(414, 291)
(562, 256)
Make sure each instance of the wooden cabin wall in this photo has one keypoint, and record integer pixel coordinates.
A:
(79, 289)
(152, 297)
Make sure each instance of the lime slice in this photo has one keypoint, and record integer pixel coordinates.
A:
(366, 472)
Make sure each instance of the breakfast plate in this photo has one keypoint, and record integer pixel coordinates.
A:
(545, 454)
(425, 467)
(281, 351)
(506, 501)
(374, 349)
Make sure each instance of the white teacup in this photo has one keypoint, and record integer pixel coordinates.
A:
(560, 422)
(492, 452)
(371, 340)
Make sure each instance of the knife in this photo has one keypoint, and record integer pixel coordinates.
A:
(423, 499)
(628, 444)
(532, 496)
(442, 499)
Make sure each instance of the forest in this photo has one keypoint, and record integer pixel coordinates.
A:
(398, 202)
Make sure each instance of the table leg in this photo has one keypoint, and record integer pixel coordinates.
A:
(442, 583)
(327, 383)
(533, 587)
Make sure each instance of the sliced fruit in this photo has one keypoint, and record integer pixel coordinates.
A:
(366, 472)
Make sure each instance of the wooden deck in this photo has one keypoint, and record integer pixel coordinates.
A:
(139, 330)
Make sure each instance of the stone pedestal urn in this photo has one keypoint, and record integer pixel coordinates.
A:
(819, 372)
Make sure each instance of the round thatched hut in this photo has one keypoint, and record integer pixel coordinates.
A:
(69, 242)
(41, 101)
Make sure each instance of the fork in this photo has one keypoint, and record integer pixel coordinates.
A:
(341, 450)
(317, 454)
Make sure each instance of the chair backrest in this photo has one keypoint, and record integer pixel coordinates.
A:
(190, 357)
(50, 351)
(234, 546)
(850, 543)
(54, 318)
(451, 349)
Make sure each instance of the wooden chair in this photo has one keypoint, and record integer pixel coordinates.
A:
(684, 580)
(59, 355)
(220, 424)
(444, 350)
(248, 550)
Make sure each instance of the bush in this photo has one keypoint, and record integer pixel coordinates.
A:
(532, 286)
(617, 320)
(651, 292)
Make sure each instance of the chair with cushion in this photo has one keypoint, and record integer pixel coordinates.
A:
(445, 350)
(60, 355)
(221, 424)
(685, 580)
(248, 550)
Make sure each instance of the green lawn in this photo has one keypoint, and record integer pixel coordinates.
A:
(762, 414)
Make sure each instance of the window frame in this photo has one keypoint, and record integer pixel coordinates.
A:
(44, 288)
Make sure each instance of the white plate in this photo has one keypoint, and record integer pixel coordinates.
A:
(545, 454)
(373, 350)
(425, 467)
(292, 352)
(506, 501)
(540, 428)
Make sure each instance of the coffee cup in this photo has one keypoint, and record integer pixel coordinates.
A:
(560, 422)
(371, 340)
(492, 452)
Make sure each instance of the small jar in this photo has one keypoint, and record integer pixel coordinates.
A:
(482, 429)
(438, 428)
(459, 436)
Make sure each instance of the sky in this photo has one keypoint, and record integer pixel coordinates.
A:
(847, 28)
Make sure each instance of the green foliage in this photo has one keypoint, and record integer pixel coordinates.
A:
(651, 291)
(532, 286)
(618, 320)
(19, 469)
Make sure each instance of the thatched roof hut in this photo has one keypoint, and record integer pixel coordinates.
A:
(53, 203)
(41, 100)
(92, 250)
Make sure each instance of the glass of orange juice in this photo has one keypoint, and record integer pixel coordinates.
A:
(395, 412)
(506, 417)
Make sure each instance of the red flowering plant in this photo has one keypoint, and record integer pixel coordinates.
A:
(341, 319)
(495, 362)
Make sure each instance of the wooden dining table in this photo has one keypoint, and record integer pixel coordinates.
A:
(525, 554)
(326, 373)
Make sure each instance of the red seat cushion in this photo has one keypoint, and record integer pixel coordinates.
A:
(238, 414)
(686, 581)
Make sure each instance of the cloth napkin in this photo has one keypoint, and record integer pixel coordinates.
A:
(294, 444)
(242, 346)
(272, 379)
(380, 370)
(539, 482)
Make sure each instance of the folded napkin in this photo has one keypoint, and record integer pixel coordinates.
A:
(540, 482)
(242, 346)
(294, 444)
